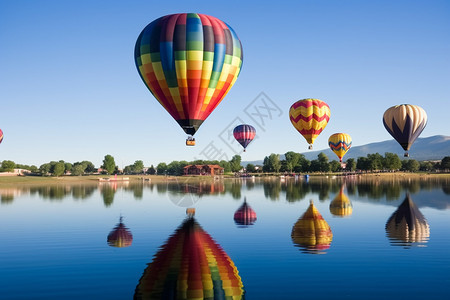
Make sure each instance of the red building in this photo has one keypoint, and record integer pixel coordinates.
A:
(211, 170)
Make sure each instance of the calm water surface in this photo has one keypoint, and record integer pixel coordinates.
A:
(252, 239)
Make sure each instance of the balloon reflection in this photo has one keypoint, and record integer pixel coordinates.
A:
(120, 236)
(341, 205)
(407, 226)
(311, 232)
(245, 215)
(191, 265)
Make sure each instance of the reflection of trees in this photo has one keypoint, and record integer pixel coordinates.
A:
(235, 189)
(322, 187)
(83, 191)
(296, 191)
(272, 189)
(53, 192)
(107, 193)
(7, 198)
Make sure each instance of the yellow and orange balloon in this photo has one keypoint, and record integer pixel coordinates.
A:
(309, 117)
(340, 143)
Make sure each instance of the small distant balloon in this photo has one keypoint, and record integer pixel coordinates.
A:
(405, 123)
(244, 134)
(1, 136)
(340, 143)
(309, 117)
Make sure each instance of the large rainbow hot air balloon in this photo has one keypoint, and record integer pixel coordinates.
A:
(191, 265)
(405, 123)
(340, 143)
(244, 134)
(309, 117)
(120, 236)
(311, 232)
(407, 226)
(1, 136)
(189, 62)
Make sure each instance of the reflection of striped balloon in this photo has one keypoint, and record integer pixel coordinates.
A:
(340, 143)
(311, 232)
(191, 265)
(120, 236)
(309, 117)
(1, 135)
(189, 62)
(405, 122)
(244, 134)
(245, 215)
(341, 205)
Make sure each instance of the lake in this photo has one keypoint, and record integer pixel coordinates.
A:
(278, 238)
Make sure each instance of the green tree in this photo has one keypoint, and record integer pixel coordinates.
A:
(292, 160)
(392, 161)
(335, 166)
(225, 165)
(8, 165)
(274, 162)
(363, 164)
(128, 169)
(251, 168)
(77, 169)
(350, 164)
(138, 166)
(109, 164)
(67, 167)
(375, 161)
(445, 163)
(324, 166)
(89, 166)
(44, 169)
(410, 165)
(58, 169)
(161, 169)
(426, 166)
(151, 170)
(235, 163)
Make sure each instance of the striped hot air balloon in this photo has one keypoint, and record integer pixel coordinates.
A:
(189, 62)
(191, 265)
(340, 143)
(244, 134)
(405, 123)
(311, 232)
(309, 117)
(1, 136)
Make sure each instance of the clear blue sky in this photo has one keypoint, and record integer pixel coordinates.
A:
(69, 88)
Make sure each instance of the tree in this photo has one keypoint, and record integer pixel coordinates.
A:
(151, 170)
(324, 166)
(274, 162)
(445, 163)
(44, 169)
(350, 164)
(426, 166)
(67, 167)
(128, 169)
(225, 165)
(138, 166)
(410, 165)
(77, 169)
(235, 163)
(161, 168)
(109, 164)
(292, 160)
(8, 165)
(335, 166)
(363, 164)
(392, 161)
(59, 168)
(251, 168)
(375, 161)
(89, 167)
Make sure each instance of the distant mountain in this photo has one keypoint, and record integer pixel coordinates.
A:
(429, 148)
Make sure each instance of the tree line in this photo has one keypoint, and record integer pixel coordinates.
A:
(292, 163)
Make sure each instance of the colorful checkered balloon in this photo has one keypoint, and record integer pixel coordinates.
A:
(189, 62)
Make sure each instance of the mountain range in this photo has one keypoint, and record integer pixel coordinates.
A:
(428, 148)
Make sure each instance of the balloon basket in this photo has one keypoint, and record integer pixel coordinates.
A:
(406, 154)
(190, 141)
(310, 147)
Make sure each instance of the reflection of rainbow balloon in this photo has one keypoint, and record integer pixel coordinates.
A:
(244, 134)
(190, 266)
(340, 143)
(311, 232)
(309, 117)
(120, 236)
(407, 225)
(245, 215)
(341, 205)
(189, 62)
(405, 123)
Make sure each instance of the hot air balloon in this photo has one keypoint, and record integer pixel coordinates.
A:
(1, 136)
(407, 226)
(244, 134)
(189, 62)
(405, 122)
(120, 236)
(245, 215)
(191, 265)
(311, 232)
(339, 144)
(341, 205)
(309, 117)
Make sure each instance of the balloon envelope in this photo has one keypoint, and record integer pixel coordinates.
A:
(245, 215)
(309, 117)
(191, 265)
(189, 62)
(311, 232)
(244, 134)
(1, 136)
(405, 122)
(340, 143)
